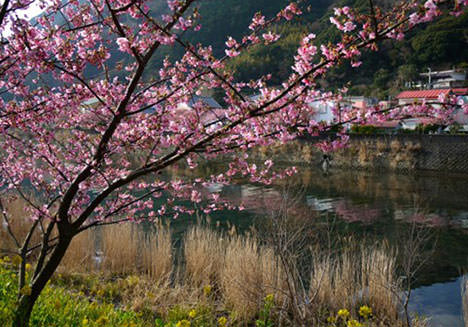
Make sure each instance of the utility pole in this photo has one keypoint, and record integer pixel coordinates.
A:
(429, 86)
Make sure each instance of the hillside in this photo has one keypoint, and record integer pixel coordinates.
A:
(220, 19)
(441, 45)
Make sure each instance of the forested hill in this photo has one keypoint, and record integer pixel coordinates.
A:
(223, 18)
(441, 45)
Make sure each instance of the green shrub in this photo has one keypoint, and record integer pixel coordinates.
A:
(365, 129)
(428, 128)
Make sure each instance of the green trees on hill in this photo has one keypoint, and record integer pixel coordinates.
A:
(442, 45)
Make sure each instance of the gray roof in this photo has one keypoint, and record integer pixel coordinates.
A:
(208, 101)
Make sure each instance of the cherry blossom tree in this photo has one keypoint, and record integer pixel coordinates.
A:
(84, 138)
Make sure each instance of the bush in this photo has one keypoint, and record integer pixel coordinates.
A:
(429, 128)
(365, 129)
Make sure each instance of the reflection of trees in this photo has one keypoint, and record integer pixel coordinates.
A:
(426, 192)
(353, 213)
(261, 200)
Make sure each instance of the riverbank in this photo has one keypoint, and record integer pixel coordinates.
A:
(225, 279)
(381, 152)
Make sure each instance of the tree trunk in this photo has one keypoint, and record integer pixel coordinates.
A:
(27, 301)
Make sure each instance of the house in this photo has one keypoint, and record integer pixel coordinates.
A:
(419, 96)
(360, 102)
(323, 111)
(428, 96)
(212, 110)
(208, 102)
(454, 78)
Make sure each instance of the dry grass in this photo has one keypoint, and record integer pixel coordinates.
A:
(354, 277)
(396, 146)
(120, 246)
(121, 249)
(204, 251)
(237, 267)
(250, 272)
(381, 146)
(378, 279)
(20, 224)
(157, 254)
(240, 271)
(80, 256)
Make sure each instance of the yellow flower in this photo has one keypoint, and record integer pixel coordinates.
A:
(222, 321)
(207, 290)
(331, 319)
(183, 323)
(192, 314)
(269, 298)
(85, 322)
(365, 311)
(28, 266)
(354, 323)
(343, 313)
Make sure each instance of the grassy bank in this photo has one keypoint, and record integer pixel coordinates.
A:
(219, 279)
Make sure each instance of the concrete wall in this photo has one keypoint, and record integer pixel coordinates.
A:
(444, 153)
(405, 153)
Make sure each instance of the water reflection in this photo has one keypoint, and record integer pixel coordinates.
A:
(441, 302)
(373, 206)
(383, 206)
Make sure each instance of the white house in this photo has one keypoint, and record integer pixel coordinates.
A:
(446, 79)
(212, 113)
(323, 111)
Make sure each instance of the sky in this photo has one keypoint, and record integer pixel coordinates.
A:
(32, 11)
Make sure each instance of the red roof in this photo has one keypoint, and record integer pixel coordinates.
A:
(430, 94)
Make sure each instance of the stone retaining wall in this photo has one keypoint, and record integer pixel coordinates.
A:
(442, 153)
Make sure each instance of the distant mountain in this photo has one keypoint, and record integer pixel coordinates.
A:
(223, 18)
(440, 45)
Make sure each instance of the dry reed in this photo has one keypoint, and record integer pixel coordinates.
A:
(122, 249)
(378, 279)
(157, 254)
(19, 223)
(354, 277)
(250, 272)
(80, 257)
(120, 246)
(204, 255)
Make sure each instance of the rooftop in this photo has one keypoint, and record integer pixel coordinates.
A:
(430, 94)
(207, 101)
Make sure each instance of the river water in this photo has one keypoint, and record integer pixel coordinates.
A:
(379, 206)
